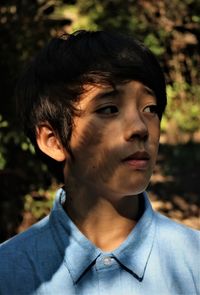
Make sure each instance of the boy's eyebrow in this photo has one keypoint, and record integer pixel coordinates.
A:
(112, 92)
(149, 90)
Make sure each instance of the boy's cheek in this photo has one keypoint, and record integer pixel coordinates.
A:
(85, 136)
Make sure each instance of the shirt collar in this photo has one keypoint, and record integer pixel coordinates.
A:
(135, 251)
(79, 253)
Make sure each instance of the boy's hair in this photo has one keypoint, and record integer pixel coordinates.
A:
(54, 79)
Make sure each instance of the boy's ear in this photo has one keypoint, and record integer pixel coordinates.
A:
(49, 143)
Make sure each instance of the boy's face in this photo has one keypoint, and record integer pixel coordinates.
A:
(115, 140)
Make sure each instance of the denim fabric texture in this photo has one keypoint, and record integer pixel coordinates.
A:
(159, 257)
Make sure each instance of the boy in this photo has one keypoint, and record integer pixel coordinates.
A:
(92, 103)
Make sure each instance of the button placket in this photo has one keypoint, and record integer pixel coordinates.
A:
(107, 260)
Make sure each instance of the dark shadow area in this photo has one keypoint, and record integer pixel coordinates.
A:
(12, 202)
(175, 184)
(22, 175)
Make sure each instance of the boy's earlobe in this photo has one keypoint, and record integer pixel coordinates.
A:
(49, 143)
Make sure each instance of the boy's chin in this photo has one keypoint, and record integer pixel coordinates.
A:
(129, 191)
(135, 190)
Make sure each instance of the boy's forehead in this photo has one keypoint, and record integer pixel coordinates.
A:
(90, 88)
(91, 91)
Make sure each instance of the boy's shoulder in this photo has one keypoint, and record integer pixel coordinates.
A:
(37, 234)
(167, 223)
(37, 240)
(26, 240)
(24, 255)
(172, 234)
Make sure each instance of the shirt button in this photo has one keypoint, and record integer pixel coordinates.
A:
(107, 261)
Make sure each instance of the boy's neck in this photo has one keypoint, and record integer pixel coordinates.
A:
(105, 224)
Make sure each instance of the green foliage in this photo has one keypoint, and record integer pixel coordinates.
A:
(104, 14)
(3, 124)
(39, 203)
(153, 43)
(183, 107)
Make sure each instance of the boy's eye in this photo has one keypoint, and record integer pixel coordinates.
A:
(107, 110)
(151, 109)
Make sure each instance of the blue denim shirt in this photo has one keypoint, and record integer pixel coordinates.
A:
(159, 257)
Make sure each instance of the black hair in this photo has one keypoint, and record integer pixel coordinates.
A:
(54, 79)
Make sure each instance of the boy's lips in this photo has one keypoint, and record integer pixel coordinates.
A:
(138, 160)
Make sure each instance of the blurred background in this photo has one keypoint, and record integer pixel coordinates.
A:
(172, 31)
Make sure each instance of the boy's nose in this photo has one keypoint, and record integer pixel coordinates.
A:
(135, 128)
